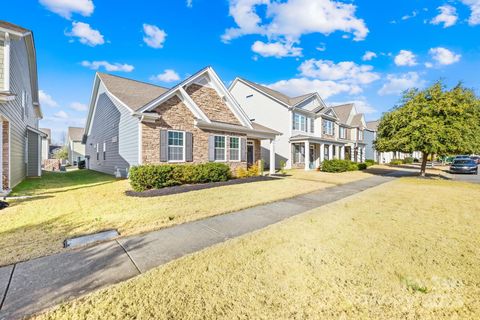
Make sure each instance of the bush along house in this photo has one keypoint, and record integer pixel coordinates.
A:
(132, 123)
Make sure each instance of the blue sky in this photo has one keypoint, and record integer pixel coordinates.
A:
(363, 51)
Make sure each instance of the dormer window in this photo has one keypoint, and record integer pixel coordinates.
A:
(360, 134)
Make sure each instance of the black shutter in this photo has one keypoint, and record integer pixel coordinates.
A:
(163, 145)
(243, 149)
(188, 147)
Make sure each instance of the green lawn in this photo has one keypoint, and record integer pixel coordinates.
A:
(408, 249)
(82, 202)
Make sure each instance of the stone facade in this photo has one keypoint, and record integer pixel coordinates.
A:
(176, 116)
(5, 154)
(211, 104)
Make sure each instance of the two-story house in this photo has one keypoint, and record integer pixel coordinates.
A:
(352, 131)
(75, 147)
(20, 138)
(310, 130)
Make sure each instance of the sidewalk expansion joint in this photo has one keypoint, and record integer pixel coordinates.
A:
(8, 287)
(129, 257)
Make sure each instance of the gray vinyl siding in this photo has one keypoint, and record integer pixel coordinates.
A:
(113, 125)
(33, 141)
(368, 138)
(13, 111)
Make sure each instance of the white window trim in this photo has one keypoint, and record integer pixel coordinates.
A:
(104, 153)
(6, 63)
(344, 130)
(239, 149)
(328, 130)
(224, 148)
(97, 149)
(300, 122)
(183, 146)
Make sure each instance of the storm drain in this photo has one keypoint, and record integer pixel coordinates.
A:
(90, 238)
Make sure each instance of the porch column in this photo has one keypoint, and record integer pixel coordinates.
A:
(272, 156)
(342, 152)
(322, 152)
(330, 151)
(337, 152)
(307, 155)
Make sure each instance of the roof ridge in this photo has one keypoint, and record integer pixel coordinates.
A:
(125, 78)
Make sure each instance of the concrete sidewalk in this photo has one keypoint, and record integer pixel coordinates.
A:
(32, 286)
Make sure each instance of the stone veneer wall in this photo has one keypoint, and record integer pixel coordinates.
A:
(5, 154)
(176, 116)
(211, 104)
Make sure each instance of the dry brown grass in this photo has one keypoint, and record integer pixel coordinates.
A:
(83, 202)
(405, 250)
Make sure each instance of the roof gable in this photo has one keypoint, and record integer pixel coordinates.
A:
(206, 78)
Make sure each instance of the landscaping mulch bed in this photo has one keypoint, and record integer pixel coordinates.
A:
(193, 187)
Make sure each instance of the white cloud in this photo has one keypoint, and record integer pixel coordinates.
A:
(61, 114)
(154, 36)
(189, 3)
(65, 8)
(46, 99)
(346, 71)
(326, 89)
(397, 83)
(474, 6)
(86, 34)
(77, 106)
(447, 16)
(412, 15)
(287, 21)
(444, 56)
(322, 47)
(95, 65)
(428, 65)
(369, 55)
(168, 75)
(405, 58)
(276, 49)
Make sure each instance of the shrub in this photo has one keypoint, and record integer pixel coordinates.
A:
(408, 160)
(253, 171)
(241, 172)
(283, 164)
(337, 165)
(146, 177)
(369, 162)
(362, 166)
(396, 162)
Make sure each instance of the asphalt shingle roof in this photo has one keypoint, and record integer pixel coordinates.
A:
(133, 93)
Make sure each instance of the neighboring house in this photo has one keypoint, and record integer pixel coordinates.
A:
(384, 157)
(132, 123)
(46, 141)
(20, 139)
(352, 127)
(76, 150)
(311, 131)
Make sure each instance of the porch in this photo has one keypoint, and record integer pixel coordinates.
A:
(310, 152)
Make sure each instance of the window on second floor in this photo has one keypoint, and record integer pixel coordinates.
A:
(343, 133)
(328, 127)
(360, 134)
(299, 122)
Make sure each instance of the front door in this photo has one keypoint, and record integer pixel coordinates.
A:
(311, 164)
(250, 156)
(348, 153)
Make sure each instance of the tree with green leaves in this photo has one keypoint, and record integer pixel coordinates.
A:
(61, 154)
(434, 121)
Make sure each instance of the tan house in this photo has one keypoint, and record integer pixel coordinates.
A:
(76, 150)
(132, 123)
(20, 138)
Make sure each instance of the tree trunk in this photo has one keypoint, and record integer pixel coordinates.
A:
(424, 164)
